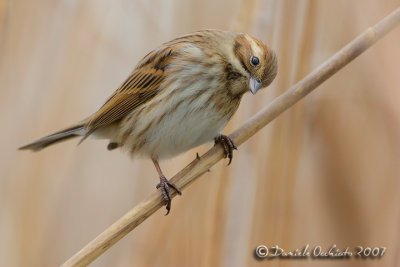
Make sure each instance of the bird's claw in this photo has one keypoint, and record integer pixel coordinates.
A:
(164, 186)
(227, 144)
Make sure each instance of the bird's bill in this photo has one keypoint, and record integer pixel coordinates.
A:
(255, 85)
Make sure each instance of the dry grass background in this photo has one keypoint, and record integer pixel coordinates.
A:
(325, 172)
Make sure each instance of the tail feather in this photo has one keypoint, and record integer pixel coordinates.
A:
(71, 132)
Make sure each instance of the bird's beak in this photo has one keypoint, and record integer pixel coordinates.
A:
(254, 85)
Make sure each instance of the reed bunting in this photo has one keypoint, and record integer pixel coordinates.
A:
(179, 96)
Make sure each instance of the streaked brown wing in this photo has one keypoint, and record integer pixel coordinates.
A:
(140, 87)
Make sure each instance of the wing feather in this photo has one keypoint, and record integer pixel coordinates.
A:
(140, 87)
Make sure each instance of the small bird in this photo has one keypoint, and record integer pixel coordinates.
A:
(179, 96)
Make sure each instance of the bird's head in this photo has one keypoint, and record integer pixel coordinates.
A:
(256, 61)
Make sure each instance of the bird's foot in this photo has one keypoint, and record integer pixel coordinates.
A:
(165, 186)
(227, 144)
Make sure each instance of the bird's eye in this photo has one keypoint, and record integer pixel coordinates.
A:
(255, 61)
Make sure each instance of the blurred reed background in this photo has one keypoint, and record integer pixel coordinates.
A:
(325, 172)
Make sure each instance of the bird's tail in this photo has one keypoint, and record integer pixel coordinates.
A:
(65, 134)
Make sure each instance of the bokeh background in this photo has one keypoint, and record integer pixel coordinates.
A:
(325, 172)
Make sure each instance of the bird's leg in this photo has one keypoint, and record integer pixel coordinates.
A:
(227, 144)
(164, 186)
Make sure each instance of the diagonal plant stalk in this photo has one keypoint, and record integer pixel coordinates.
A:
(186, 176)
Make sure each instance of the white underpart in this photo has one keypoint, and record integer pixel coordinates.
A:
(186, 128)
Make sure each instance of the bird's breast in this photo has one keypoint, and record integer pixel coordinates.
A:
(193, 105)
(172, 124)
